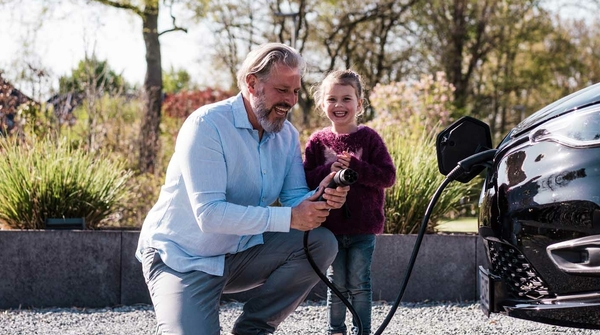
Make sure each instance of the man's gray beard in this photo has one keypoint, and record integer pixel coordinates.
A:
(262, 114)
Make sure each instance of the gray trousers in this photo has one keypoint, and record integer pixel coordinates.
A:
(188, 303)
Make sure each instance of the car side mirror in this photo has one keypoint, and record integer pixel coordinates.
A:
(463, 138)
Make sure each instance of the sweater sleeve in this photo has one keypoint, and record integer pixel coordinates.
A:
(314, 162)
(378, 171)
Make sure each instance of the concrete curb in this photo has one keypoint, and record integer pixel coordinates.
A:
(98, 269)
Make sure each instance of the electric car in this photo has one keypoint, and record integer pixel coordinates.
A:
(539, 210)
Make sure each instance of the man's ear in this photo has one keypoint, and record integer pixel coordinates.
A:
(251, 82)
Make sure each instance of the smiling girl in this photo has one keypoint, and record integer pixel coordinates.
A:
(345, 144)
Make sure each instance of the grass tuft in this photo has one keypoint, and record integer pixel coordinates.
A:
(47, 178)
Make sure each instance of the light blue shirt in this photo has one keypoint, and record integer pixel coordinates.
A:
(219, 186)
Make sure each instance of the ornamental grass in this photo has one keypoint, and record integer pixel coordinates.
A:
(417, 179)
(48, 178)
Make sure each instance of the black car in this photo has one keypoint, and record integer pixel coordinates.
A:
(539, 213)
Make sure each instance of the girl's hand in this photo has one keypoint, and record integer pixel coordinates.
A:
(336, 166)
(343, 161)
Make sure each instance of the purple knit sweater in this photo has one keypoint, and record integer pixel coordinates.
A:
(363, 212)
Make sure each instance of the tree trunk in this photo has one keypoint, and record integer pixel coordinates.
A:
(149, 132)
(456, 56)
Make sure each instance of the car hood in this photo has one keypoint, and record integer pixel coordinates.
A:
(582, 98)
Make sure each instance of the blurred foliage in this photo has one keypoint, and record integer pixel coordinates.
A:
(414, 106)
(142, 193)
(115, 129)
(183, 103)
(176, 80)
(106, 122)
(417, 180)
(92, 75)
(101, 127)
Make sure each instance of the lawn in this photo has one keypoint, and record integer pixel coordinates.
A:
(460, 225)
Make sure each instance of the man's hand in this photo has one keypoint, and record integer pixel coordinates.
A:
(334, 197)
(309, 214)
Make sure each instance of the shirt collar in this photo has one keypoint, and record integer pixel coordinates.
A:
(240, 116)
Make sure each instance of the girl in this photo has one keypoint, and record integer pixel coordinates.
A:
(343, 145)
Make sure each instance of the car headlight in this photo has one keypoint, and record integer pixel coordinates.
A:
(578, 129)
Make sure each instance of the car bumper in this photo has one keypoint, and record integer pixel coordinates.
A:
(576, 310)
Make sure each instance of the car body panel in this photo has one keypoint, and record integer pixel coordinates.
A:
(540, 222)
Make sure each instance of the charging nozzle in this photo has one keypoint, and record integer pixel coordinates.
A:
(468, 164)
(343, 177)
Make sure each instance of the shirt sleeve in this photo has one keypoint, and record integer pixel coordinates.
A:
(295, 188)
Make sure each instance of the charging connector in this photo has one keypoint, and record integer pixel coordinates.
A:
(344, 177)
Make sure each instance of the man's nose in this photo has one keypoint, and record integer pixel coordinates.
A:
(291, 99)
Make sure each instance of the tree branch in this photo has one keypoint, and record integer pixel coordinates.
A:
(117, 4)
(175, 27)
(172, 29)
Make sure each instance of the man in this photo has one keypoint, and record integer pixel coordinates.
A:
(213, 231)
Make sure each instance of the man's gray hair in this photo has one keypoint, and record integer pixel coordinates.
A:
(260, 61)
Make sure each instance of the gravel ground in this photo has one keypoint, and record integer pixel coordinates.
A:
(309, 318)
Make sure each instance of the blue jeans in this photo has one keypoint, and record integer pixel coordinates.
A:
(350, 272)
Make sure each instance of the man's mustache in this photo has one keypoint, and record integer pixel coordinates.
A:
(284, 105)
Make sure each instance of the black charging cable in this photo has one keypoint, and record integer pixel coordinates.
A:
(413, 256)
(482, 158)
(343, 177)
(464, 166)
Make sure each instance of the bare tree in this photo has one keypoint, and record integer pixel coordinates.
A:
(373, 38)
(457, 37)
(368, 36)
(477, 43)
(148, 10)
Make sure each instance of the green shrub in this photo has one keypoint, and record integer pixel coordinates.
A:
(51, 179)
(417, 179)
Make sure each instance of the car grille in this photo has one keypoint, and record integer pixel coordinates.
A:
(520, 277)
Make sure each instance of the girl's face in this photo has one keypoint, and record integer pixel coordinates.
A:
(341, 104)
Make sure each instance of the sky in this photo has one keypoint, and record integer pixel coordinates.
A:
(64, 38)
